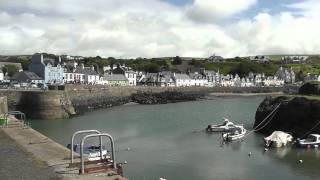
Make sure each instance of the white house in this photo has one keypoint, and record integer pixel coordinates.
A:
(273, 81)
(227, 81)
(213, 78)
(132, 77)
(198, 79)
(84, 75)
(1, 75)
(182, 80)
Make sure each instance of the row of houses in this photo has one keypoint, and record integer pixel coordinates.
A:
(48, 70)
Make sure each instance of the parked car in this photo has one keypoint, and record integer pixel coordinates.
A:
(15, 85)
(33, 85)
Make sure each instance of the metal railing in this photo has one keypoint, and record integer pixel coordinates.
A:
(22, 117)
(100, 136)
(83, 132)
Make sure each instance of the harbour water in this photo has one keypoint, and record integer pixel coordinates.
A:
(168, 141)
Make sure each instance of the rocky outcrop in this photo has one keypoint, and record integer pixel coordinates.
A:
(165, 97)
(296, 115)
(310, 88)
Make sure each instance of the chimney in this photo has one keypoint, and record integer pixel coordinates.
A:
(41, 57)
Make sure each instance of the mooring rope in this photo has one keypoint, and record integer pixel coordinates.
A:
(311, 129)
(257, 128)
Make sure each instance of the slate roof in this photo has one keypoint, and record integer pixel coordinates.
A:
(182, 76)
(115, 77)
(196, 76)
(86, 70)
(25, 76)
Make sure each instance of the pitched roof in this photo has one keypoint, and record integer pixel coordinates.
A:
(115, 77)
(85, 70)
(25, 75)
(182, 76)
(197, 76)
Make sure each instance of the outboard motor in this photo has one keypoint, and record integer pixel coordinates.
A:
(209, 128)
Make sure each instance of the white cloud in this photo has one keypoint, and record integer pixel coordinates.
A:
(151, 28)
(210, 10)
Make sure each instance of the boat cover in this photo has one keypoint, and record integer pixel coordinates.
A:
(280, 137)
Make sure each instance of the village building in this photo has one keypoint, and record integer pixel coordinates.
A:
(295, 59)
(227, 81)
(287, 75)
(165, 79)
(198, 79)
(182, 80)
(273, 81)
(115, 80)
(259, 58)
(48, 68)
(212, 77)
(26, 77)
(312, 77)
(81, 74)
(1, 75)
(129, 74)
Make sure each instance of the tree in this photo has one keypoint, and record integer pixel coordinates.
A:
(177, 60)
(300, 76)
(152, 68)
(25, 64)
(10, 69)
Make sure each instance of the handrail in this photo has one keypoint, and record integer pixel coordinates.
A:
(22, 116)
(82, 132)
(96, 135)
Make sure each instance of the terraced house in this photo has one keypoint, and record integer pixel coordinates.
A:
(47, 67)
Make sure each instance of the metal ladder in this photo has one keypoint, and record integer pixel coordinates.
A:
(101, 165)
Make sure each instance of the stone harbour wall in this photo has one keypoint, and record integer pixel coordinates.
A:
(78, 99)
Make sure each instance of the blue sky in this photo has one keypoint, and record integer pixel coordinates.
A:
(153, 28)
(271, 6)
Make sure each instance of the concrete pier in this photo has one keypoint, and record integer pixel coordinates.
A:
(46, 150)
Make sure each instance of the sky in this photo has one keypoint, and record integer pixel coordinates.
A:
(159, 28)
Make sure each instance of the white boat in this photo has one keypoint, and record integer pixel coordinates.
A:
(236, 134)
(278, 139)
(92, 153)
(93, 156)
(224, 127)
(313, 140)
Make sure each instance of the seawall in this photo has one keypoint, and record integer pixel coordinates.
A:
(78, 99)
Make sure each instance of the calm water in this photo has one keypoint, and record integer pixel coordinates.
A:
(167, 141)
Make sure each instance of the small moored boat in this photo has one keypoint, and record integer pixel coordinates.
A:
(278, 139)
(236, 134)
(313, 140)
(224, 127)
(91, 152)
